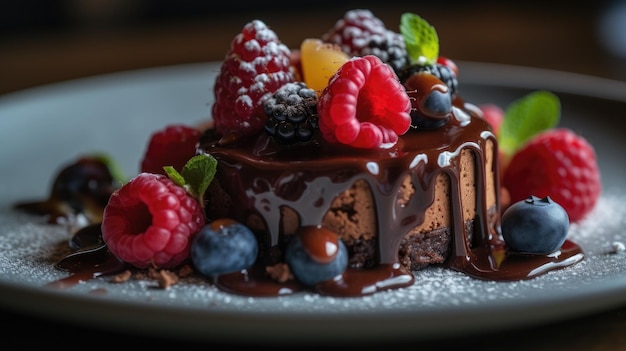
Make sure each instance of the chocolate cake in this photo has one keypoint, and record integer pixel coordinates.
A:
(428, 196)
(431, 199)
(345, 189)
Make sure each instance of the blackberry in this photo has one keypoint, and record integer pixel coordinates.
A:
(442, 72)
(390, 48)
(292, 113)
(360, 33)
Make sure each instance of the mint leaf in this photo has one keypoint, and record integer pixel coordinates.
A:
(527, 116)
(422, 42)
(196, 175)
(173, 174)
(199, 172)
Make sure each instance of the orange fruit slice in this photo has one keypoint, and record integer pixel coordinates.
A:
(319, 62)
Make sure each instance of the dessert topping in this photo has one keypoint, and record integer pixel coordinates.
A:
(558, 163)
(364, 105)
(307, 263)
(318, 62)
(223, 246)
(292, 113)
(541, 160)
(360, 33)
(150, 220)
(535, 226)
(431, 101)
(172, 146)
(256, 65)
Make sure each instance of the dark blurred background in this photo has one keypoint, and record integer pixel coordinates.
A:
(43, 41)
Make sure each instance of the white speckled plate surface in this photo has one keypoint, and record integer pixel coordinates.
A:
(43, 128)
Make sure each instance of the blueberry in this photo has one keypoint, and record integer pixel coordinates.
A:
(438, 104)
(316, 254)
(431, 100)
(223, 246)
(535, 225)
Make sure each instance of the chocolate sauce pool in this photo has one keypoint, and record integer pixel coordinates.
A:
(253, 172)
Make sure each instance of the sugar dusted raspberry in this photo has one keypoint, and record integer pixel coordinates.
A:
(556, 163)
(256, 65)
(149, 222)
(172, 146)
(364, 105)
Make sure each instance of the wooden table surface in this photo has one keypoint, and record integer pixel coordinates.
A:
(534, 35)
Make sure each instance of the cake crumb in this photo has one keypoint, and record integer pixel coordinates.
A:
(279, 272)
(185, 271)
(166, 278)
(162, 277)
(121, 277)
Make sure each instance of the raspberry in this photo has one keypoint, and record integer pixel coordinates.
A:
(364, 105)
(256, 65)
(172, 146)
(149, 222)
(556, 163)
(292, 113)
(360, 33)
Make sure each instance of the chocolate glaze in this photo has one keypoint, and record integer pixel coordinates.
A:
(261, 176)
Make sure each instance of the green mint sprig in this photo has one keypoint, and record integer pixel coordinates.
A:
(196, 175)
(420, 38)
(523, 118)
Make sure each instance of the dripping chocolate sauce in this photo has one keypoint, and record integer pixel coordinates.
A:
(253, 172)
(90, 259)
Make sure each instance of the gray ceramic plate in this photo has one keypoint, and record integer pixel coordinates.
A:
(43, 128)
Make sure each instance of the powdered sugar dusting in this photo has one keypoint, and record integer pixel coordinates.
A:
(29, 247)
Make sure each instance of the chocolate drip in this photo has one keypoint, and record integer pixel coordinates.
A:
(255, 175)
(90, 258)
(263, 178)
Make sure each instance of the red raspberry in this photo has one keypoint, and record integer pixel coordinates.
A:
(149, 222)
(364, 105)
(556, 163)
(172, 146)
(256, 65)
